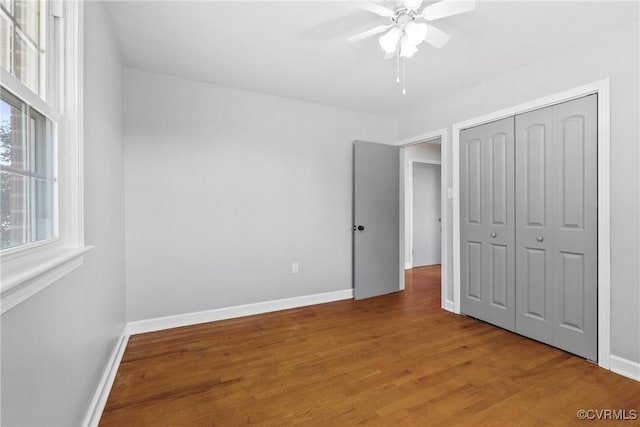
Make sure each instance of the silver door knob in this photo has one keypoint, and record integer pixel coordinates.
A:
(539, 238)
(494, 235)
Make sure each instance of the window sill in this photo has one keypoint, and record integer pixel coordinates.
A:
(27, 275)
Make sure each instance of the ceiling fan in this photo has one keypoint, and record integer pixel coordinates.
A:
(406, 31)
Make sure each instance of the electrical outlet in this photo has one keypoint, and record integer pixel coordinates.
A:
(295, 268)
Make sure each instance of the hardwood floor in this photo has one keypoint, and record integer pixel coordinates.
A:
(395, 360)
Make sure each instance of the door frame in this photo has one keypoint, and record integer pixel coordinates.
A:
(409, 186)
(602, 89)
(447, 301)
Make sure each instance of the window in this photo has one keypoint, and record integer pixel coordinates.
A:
(27, 182)
(41, 234)
(22, 30)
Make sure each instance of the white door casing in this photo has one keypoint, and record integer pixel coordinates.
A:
(447, 298)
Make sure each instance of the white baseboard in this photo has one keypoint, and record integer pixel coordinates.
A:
(407, 266)
(628, 368)
(92, 418)
(168, 322)
(448, 305)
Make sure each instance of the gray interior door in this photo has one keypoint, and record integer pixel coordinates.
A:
(487, 223)
(427, 230)
(376, 235)
(556, 230)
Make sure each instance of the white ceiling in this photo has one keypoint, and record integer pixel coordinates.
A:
(297, 49)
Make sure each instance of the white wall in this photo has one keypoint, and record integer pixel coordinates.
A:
(614, 56)
(225, 189)
(425, 152)
(55, 345)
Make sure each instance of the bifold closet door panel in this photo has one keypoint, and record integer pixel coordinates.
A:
(556, 225)
(574, 223)
(488, 223)
(472, 227)
(499, 205)
(534, 288)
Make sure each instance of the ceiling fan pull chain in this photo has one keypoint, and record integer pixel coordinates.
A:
(397, 66)
(404, 76)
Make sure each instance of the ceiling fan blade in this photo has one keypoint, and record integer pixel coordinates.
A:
(372, 32)
(377, 9)
(436, 37)
(412, 4)
(445, 8)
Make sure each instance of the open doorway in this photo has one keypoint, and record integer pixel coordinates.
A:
(425, 216)
(423, 210)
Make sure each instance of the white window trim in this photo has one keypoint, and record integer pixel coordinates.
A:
(26, 271)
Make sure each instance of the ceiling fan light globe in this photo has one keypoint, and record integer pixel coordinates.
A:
(407, 49)
(389, 41)
(415, 33)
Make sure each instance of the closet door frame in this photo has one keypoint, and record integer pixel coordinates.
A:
(602, 89)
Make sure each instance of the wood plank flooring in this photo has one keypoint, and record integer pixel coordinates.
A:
(395, 360)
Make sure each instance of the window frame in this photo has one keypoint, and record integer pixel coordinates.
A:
(27, 269)
(40, 44)
(51, 131)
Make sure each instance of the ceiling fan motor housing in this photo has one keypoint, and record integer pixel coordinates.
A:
(403, 16)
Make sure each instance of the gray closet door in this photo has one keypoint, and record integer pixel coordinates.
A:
(376, 237)
(556, 227)
(488, 222)
(534, 183)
